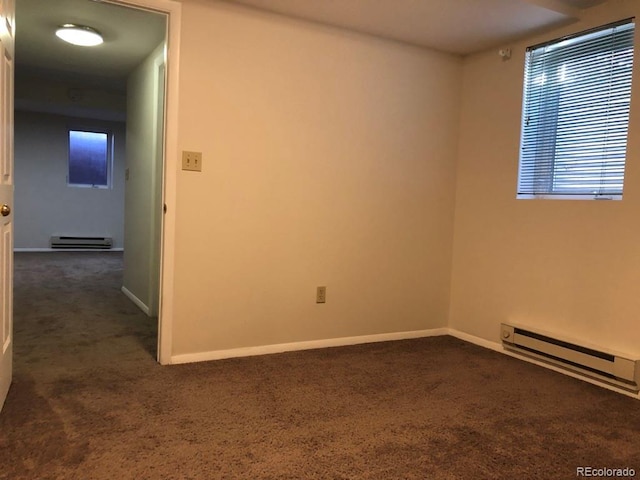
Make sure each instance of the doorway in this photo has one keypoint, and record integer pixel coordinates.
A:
(83, 88)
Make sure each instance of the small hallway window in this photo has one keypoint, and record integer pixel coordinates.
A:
(90, 158)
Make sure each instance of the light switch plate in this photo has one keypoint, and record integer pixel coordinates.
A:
(192, 161)
(321, 295)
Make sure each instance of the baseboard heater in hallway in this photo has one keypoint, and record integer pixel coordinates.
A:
(598, 364)
(93, 243)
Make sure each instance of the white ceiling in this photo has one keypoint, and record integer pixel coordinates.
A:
(129, 36)
(455, 26)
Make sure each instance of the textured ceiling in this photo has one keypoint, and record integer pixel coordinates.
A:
(454, 26)
(129, 36)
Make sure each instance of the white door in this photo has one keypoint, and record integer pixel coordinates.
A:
(7, 27)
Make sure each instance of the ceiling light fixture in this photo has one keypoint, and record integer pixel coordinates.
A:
(79, 35)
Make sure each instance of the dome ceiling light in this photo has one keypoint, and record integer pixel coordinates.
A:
(79, 35)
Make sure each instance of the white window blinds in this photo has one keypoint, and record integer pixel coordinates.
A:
(577, 93)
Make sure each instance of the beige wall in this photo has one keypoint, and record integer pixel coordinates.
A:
(571, 267)
(142, 203)
(328, 159)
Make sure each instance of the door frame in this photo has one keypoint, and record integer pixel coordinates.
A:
(172, 9)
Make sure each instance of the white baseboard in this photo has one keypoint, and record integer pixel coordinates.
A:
(19, 250)
(308, 345)
(476, 340)
(499, 348)
(139, 303)
(384, 337)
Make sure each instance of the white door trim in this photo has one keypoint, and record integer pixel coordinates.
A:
(173, 10)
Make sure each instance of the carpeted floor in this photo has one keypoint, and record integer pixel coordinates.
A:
(90, 402)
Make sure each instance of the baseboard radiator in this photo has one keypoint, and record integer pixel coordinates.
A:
(92, 243)
(602, 365)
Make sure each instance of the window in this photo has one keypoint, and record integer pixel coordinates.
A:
(90, 154)
(577, 93)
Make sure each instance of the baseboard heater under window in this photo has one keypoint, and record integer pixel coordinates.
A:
(602, 365)
(99, 243)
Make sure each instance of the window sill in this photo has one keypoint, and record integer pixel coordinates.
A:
(95, 187)
(568, 197)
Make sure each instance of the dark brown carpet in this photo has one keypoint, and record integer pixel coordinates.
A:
(90, 402)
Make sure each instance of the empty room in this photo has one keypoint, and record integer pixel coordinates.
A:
(390, 239)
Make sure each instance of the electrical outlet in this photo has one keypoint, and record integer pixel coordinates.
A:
(192, 161)
(321, 295)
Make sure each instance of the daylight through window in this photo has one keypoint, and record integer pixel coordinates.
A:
(89, 158)
(577, 94)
